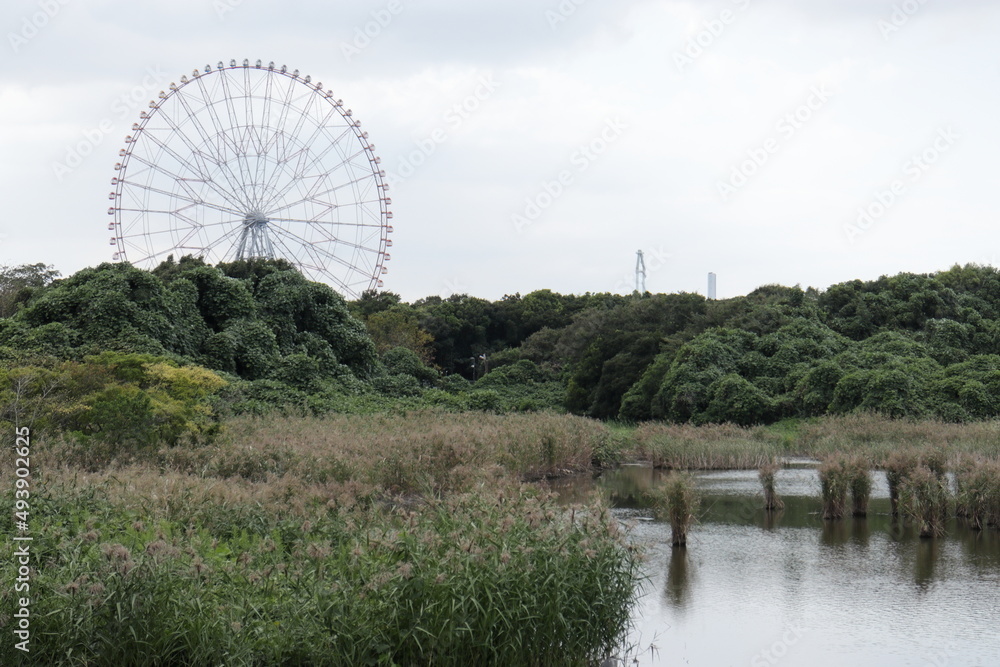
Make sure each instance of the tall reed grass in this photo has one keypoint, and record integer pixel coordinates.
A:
(676, 500)
(834, 480)
(342, 541)
(977, 492)
(924, 500)
(766, 475)
(859, 483)
(709, 447)
(871, 437)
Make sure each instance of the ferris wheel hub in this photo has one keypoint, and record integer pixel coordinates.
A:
(255, 239)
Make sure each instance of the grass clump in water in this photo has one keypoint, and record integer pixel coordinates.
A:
(977, 492)
(860, 484)
(898, 466)
(834, 482)
(676, 500)
(923, 499)
(771, 500)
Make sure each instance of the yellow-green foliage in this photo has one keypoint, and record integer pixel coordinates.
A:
(113, 398)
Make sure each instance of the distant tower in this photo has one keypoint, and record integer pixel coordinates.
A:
(711, 286)
(640, 273)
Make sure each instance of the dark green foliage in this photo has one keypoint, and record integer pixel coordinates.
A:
(405, 361)
(242, 318)
(19, 283)
(907, 346)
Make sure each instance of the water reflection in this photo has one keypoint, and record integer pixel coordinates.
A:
(928, 551)
(677, 589)
(860, 532)
(834, 533)
(866, 586)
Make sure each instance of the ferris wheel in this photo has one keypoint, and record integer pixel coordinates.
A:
(245, 161)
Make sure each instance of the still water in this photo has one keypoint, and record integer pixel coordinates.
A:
(787, 588)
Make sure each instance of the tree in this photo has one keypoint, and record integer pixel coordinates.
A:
(392, 329)
(18, 283)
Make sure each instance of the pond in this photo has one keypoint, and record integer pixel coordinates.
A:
(760, 589)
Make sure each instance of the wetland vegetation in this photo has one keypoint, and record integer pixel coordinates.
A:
(233, 465)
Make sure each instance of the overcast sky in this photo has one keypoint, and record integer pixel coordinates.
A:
(538, 144)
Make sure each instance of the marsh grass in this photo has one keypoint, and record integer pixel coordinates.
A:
(709, 447)
(766, 475)
(677, 501)
(341, 541)
(834, 479)
(977, 492)
(898, 466)
(924, 500)
(872, 437)
(859, 482)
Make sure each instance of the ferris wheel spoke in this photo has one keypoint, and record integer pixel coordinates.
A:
(279, 134)
(312, 198)
(300, 170)
(349, 244)
(303, 114)
(235, 125)
(231, 235)
(325, 175)
(318, 265)
(314, 247)
(189, 198)
(261, 176)
(328, 223)
(206, 177)
(220, 127)
(217, 157)
(248, 108)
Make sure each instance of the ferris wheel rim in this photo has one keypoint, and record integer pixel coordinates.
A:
(264, 208)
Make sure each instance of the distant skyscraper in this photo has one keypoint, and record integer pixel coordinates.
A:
(711, 286)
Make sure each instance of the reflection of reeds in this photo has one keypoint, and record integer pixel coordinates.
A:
(676, 500)
(677, 577)
(834, 482)
(923, 498)
(771, 500)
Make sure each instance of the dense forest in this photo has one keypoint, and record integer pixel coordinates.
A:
(110, 350)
